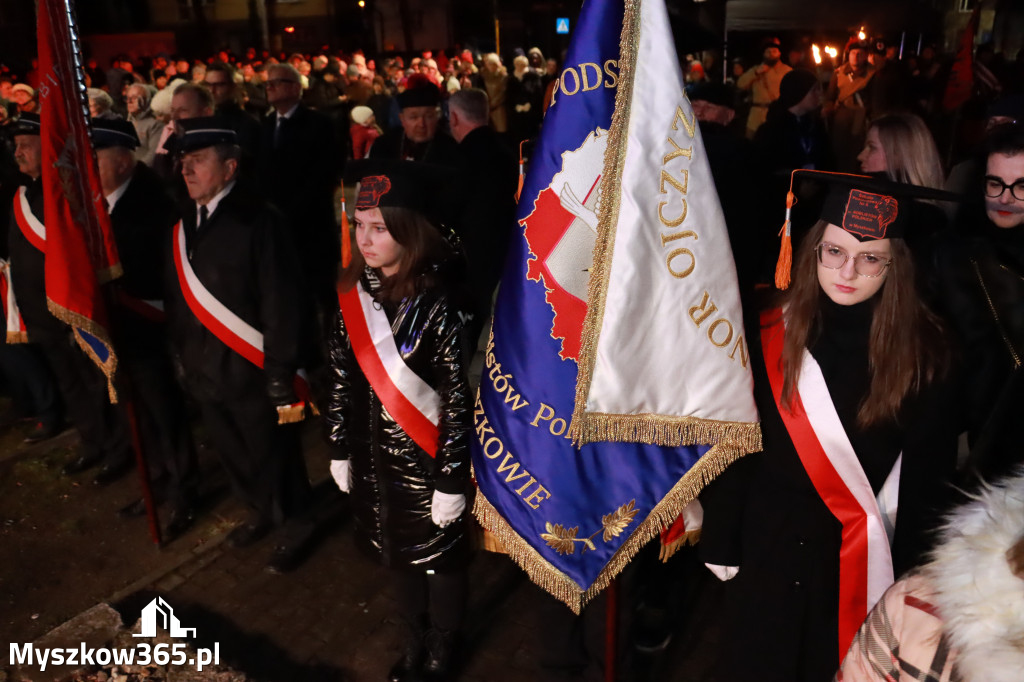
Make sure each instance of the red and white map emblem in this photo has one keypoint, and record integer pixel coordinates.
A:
(560, 233)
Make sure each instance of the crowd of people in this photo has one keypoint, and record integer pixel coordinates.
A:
(902, 327)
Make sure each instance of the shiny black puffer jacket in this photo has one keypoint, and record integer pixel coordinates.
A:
(393, 479)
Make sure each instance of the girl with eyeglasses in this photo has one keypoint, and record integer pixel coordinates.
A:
(850, 376)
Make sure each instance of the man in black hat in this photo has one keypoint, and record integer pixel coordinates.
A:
(102, 428)
(142, 215)
(300, 165)
(237, 321)
(419, 138)
(763, 81)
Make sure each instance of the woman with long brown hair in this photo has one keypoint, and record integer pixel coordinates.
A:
(399, 409)
(850, 375)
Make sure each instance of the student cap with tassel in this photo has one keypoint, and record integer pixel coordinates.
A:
(869, 207)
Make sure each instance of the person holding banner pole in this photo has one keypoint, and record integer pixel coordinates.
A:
(102, 428)
(399, 408)
(853, 383)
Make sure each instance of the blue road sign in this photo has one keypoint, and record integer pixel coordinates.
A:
(562, 25)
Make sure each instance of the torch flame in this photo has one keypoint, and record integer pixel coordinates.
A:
(817, 53)
(861, 35)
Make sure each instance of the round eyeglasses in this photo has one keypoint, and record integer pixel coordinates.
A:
(864, 264)
(994, 188)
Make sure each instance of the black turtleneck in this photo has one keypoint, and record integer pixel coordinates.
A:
(841, 350)
(1009, 245)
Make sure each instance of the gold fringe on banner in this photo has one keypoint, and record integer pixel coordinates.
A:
(607, 217)
(17, 337)
(564, 588)
(76, 322)
(656, 429)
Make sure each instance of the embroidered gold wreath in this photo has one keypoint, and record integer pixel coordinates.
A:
(563, 540)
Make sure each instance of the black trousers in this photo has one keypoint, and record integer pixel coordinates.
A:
(102, 427)
(148, 382)
(442, 596)
(30, 381)
(263, 459)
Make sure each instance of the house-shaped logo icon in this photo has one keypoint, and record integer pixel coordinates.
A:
(160, 612)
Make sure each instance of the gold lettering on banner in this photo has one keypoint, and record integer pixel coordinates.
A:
(680, 262)
(678, 151)
(680, 274)
(531, 492)
(585, 77)
(705, 309)
(613, 78)
(742, 348)
(587, 87)
(575, 78)
(556, 426)
(681, 187)
(689, 126)
(715, 325)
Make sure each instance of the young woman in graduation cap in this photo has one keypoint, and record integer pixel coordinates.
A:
(399, 412)
(850, 377)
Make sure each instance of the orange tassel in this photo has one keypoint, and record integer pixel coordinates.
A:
(785, 265)
(346, 236)
(522, 175)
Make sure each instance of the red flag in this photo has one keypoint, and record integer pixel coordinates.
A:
(80, 250)
(961, 79)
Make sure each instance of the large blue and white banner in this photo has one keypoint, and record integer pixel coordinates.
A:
(616, 380)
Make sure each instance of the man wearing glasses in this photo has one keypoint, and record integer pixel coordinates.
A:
(299, 167)
(227, 100)
(981, 281)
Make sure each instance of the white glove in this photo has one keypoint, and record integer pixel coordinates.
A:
(723, 573)
(339, 471)
(445, 508)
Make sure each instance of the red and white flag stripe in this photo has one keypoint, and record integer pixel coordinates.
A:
(31, 226)
(410, 400)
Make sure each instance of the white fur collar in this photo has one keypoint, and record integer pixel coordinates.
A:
(979, 599)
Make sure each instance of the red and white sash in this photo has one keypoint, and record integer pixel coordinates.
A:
(233, 331)
(30, 225)
(16, 332)
(865, 559)
(407, 398)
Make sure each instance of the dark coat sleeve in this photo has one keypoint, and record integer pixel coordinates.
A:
(926, 472)
(281, 313)
(339, 400)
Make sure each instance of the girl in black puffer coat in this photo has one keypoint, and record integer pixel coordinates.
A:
(399, 413)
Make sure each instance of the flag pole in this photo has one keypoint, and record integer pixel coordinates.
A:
(143, 468)
(611, 630)
(59, 43)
